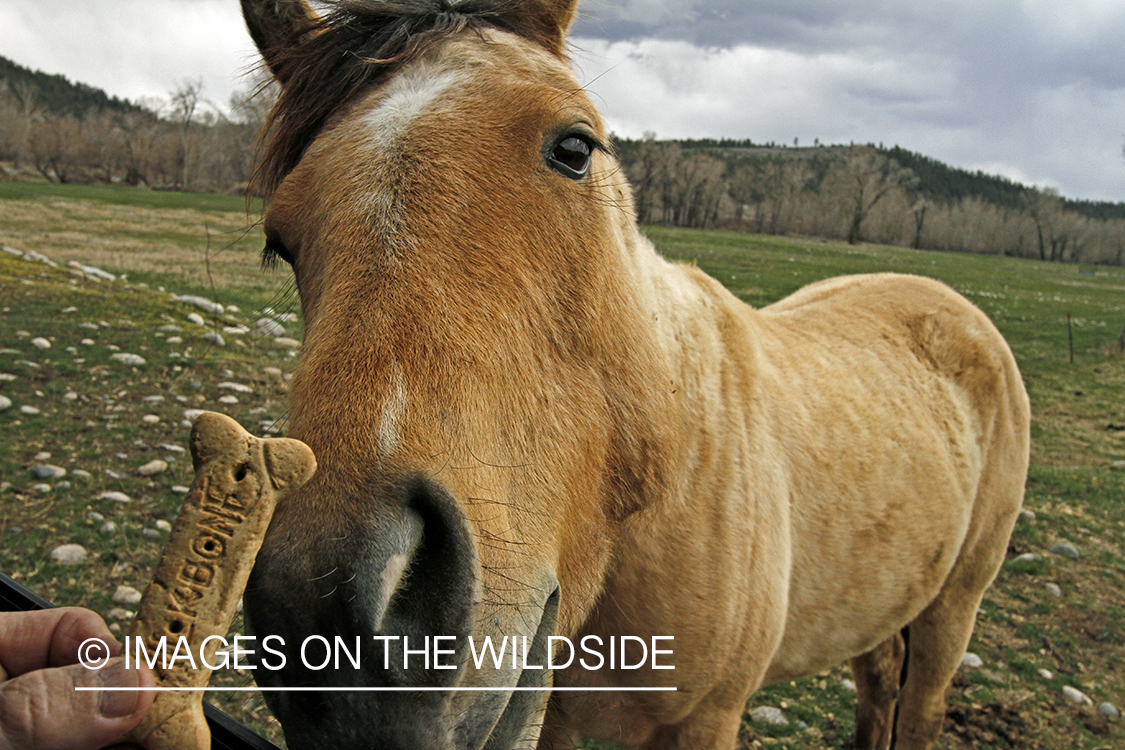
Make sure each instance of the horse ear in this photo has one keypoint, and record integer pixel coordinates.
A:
(275, 25)
(548, 21)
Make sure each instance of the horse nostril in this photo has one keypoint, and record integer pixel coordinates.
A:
(405, 572)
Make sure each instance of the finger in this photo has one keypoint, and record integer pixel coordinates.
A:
(48, 638)
(42, 709)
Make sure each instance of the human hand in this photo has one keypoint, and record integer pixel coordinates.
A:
(39, 671)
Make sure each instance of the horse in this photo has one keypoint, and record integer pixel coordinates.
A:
(538, 438)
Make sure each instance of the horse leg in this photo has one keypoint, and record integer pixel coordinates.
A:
(877, 681)
(705, 729)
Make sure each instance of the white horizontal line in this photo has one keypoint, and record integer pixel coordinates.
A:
(385, 689)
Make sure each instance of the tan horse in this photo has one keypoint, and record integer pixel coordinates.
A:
(529, 425)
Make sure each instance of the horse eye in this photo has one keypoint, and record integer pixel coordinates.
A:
(273, 252)
(571, 157)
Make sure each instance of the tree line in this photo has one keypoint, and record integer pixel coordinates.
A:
(859, 193)
(864, 193)
(75, 133)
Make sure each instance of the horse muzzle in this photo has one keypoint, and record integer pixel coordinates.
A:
(366, 610)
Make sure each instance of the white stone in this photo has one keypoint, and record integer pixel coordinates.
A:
(214, 337)
(1027, 514)
(228, 399)
(847, 684)
(5, 403)
(196, 318)
(1110, 710)
(1053, 589)
(126, 595)
(109, 527)
(69, 554)
(40, 343)
(153, 467)
(179, 489)
(202, 303)
(236, 387)
(287, 342)
(268, 327)
(153, 399)
(133, 360)
(1074, 695)
(150, 419)
(971, 660)
(31, 411)
(769, 715)
(117, 613)
(164, 525)
(1046, 674)
(193, 414)
(1027, 557)
(120, 497)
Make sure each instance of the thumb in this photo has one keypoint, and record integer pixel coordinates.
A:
(42, 710)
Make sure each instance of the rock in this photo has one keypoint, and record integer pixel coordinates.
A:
(120, 497)
(119, 614)
(152, 535)
(30, 411)
(86, 342)
(95, 516)
(109, 527)
(1053, 589)
(228, 399)
(1046, 674)
(40, 343)
(214, 337)
(201, 302)
(769, 715)
(126, 595)
(173, 448)
(174, 340)
(1065, 550)
(290, 343)
(69, 554)
(42, 489)
(82, 474)
(133, 360)
(1108, 709)
(847, 684)
(268, 327)
(1027, 557)
(157, 399)
(153, 467)
(70, 396)
(47, 471)
(197, 319)
(179, 489)
(971, 660)
(193, 414)
(1027, 514)
(1075, 695)
(164, 526)
(236, 330)
(150, 419)
(42, 456)
(5, 403)
(236, 387)
(1118, 465)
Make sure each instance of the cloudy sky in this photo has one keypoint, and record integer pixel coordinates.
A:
(1031, 89)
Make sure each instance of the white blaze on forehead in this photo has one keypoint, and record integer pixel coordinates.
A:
(394, 405)
(408, 95)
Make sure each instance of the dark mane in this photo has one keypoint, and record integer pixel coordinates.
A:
(353, 45)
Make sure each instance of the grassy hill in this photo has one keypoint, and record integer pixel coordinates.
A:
(58, 95)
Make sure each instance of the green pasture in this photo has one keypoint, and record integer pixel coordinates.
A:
(91, 410)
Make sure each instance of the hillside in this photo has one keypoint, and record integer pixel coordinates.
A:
(56, 94)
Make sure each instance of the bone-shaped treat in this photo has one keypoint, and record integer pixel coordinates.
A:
(204, 568)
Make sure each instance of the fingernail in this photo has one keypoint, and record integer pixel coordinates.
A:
(118, 703)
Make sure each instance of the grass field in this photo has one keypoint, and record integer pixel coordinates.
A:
(92, 413)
